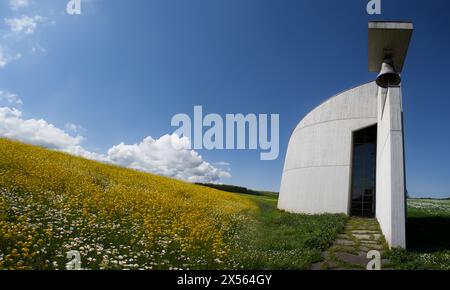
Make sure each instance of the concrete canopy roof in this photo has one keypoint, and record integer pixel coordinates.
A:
(388, 37)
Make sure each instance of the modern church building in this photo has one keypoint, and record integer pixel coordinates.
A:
(347, 155)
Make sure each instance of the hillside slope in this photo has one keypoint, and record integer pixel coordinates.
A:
(52, 203)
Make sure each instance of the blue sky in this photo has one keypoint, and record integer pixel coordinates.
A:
(122, 69)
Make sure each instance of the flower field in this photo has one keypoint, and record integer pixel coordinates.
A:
(52, 203)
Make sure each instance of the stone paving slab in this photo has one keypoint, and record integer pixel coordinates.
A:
(349, 251)
(363, 232)
(353, 259)
(344, 242)
(361, 236)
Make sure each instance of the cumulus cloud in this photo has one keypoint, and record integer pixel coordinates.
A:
(222, 163)
(18, 4)
(24, 24)
(169, 155)
(79, 150)
(38, 132)
(10, 98)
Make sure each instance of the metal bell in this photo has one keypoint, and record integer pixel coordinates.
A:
(388, 76)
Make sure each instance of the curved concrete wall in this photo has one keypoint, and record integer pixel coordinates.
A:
(317, 170)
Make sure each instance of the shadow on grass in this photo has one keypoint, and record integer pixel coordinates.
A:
(428, 234)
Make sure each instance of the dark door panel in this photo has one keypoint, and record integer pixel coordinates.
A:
(364, 172)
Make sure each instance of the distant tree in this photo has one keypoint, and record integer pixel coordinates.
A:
(231, 188)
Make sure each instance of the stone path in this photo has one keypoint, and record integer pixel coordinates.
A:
(350, 249)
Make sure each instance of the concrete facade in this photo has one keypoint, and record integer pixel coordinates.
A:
(318, 166)
(390, 201)
(316, 176)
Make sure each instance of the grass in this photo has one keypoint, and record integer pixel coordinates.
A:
(281, 240)
(52, 203)
(427, 236)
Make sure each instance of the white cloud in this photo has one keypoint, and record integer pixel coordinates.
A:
(37, 48)
(38, 132)
(10, 98)
(25, 24)
(71, 127)
(78, 150)
(168, 155)
(74, 128)
(18, 4)
(5, 58)
(222, 163)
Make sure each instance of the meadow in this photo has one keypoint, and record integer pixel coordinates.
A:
(427, 236)
(279, 240)
(52, 203)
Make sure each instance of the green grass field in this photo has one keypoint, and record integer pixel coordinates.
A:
(427, 236)
(281, 240)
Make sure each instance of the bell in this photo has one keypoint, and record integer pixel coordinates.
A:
(388, 76)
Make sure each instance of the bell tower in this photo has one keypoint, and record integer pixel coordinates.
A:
(388, 47)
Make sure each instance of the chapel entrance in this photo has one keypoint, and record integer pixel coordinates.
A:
(364, 172)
